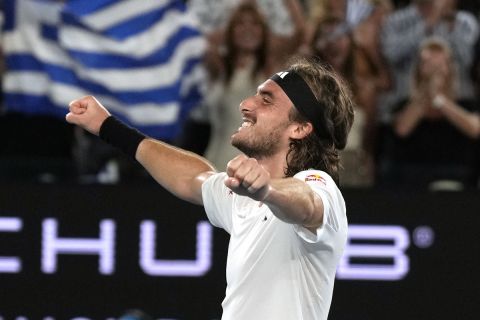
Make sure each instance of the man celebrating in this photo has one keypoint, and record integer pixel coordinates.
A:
(279, 201)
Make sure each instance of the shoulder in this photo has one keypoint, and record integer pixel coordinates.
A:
(214, 179)
(324, 186)
(334, 209)
(214, 188)
(316, 179)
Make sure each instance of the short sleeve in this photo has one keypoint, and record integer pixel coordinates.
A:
(334, 214)
(217, 200)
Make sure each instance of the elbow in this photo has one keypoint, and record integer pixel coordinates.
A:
(313, 213)
(308, 217)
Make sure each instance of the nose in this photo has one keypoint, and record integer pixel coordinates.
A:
(247, 105)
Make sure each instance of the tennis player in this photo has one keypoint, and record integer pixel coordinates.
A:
(279, 200)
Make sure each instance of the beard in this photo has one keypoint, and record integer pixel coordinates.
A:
(259, 145)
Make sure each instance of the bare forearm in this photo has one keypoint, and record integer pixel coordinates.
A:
(467, 122)
(408, 119)
(180, 172)
(282, 45)
(298, 17)
(292, 201)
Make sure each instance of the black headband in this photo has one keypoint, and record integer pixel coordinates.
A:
(304, 101)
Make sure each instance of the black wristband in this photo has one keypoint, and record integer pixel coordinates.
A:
(119, 135)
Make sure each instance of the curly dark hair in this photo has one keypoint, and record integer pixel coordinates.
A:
(314, 152)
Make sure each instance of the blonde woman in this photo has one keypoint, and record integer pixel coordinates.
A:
(435, 130)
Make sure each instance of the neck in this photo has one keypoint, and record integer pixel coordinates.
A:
(244, 58)
(275, 165)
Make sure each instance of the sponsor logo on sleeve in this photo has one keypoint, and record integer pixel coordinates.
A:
(315, 177)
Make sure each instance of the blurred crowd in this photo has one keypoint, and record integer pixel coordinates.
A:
(413, 68)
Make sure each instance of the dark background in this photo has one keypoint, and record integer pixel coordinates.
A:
(442, 282)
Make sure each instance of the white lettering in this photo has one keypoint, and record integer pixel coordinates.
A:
(52, 245)
(10, 264)
(370, 271)
(173, 268)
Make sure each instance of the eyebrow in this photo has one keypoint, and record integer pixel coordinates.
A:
(265, 92)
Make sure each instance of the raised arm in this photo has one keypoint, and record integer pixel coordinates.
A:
(281, 46)
(179, 171)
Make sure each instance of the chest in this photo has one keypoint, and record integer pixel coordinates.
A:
(258, 235)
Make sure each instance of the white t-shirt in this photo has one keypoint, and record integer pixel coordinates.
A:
(277, 270)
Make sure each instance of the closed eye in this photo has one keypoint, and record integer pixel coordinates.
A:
(267, 97)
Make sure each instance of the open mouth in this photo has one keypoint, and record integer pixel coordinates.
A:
(246, 124)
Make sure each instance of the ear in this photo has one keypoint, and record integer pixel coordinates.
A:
(300, 130)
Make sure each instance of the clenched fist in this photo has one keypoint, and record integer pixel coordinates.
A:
(87, 113)
(248, 178)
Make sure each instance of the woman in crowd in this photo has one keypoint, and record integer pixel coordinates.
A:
(435, 130)
(334, 44)
(236, 68)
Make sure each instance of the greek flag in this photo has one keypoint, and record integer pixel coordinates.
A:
(141, 59)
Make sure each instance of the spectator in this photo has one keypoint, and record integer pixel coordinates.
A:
(367, 35)
(334, 45)
(434, 128)
(352, 11)
(284, 20)
(285, 24)
(406, 28)
(213, 15)
(236, 73)
(364, 19)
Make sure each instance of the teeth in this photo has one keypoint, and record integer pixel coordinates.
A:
(246, 124)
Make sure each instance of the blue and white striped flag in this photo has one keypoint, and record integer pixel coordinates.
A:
(141, 59)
